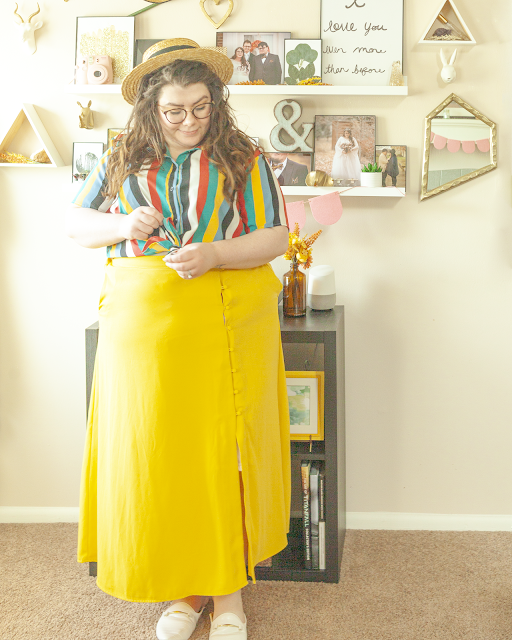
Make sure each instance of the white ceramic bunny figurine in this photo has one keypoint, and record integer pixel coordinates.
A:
(448, 73)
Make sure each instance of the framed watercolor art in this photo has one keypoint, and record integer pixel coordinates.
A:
(306, 403)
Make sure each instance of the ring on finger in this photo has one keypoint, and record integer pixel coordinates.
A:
(189, 274)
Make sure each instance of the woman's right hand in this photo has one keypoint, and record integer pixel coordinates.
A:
(140, 223)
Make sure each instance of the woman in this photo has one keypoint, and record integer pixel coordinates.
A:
(383, 163)
(392, 167)
(241, 67)
(346, 165)
(186, 466)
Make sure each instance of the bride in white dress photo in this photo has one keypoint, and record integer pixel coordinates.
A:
(241, 67)
(346, 164)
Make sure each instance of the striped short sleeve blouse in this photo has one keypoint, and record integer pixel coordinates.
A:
(188, 192)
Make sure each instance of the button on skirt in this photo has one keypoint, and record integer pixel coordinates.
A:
(186, 371)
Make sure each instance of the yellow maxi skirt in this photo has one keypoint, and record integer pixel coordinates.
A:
(185, 370)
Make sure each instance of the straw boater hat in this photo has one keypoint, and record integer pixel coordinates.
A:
(164, 52)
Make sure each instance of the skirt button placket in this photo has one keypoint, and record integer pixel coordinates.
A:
(226, 300)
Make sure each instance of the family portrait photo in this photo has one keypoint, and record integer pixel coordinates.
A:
(391, 158)
(291, 169)
(255, 56)
(343, 144)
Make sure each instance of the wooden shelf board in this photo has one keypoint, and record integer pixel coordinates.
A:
(92, 88)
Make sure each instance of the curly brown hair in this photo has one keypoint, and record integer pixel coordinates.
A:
(231, 150)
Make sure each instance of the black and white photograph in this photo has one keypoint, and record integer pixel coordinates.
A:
(85, 157)
(392, 159)
(343, 144)
(255, 56)
(303, 60)
(291, 169)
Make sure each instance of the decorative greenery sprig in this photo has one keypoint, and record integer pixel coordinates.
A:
(299, 249)
(371, 168)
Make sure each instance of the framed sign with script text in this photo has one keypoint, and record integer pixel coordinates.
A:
(361, 39)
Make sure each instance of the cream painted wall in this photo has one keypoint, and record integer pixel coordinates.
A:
(426, 286)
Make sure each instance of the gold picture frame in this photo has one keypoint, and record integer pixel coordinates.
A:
(453, 98)
(306, 403)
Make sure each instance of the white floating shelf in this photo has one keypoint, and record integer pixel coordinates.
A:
(382, 192)
(264, 90)
(311, 90)
(92, 88)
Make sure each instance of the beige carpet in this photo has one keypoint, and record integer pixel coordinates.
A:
(395, 585)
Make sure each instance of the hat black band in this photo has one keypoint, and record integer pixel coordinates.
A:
(178, 47)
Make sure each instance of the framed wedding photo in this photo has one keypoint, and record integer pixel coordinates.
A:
(255, 56)
(306, 404)
(343, 144)
(303, 60)
(86, 156)
(107, 36)
(291, 169)
(392, 158)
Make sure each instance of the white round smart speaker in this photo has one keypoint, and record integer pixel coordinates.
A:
(321, 288)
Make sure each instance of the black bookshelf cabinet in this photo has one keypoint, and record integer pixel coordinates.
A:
(315, 342)
(312, 342)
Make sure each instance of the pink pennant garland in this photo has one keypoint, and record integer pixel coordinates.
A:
(326, 209)
(483, 145)
(295, 212)
(468, 146)
(439, 142)
(453, 146)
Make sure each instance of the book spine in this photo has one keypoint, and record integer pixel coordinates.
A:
(306, 518)
(321, 520)
(314, 512)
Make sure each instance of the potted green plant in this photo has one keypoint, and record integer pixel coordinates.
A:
(371, 175)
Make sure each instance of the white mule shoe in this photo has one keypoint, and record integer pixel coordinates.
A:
(228, 626)
(177, 622)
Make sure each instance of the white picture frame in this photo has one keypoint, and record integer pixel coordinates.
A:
(111, 35)
(85, 157)
(360, 41)
(290, 45)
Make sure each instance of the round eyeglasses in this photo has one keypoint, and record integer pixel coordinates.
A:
(177, 116)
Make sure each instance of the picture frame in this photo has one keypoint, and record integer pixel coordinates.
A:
(291, 169)
(301, 63)
(112, 135)
(401, 155)
(112, 36)
(306, 402)
(251, 68)
(85, 157)
(342, 156)
(361, 41)
(141, 46)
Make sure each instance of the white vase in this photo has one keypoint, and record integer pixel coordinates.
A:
(371, 179)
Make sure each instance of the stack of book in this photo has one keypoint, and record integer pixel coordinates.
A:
(313, 514)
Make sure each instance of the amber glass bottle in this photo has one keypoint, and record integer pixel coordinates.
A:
(294, 292)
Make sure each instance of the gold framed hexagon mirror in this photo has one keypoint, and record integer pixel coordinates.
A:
(460, 145)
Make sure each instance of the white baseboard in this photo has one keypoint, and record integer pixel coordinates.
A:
(355, 519)
(39, 514)
(428, 521)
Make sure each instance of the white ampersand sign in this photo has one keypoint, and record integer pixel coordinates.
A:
(286, 123)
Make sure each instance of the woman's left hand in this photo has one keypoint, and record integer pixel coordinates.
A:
(192, 260)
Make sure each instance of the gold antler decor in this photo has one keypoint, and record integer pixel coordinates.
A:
(224, 18)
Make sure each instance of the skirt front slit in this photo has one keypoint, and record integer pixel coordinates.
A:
(186, 371)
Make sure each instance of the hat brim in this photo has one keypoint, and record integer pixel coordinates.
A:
(220, 64)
